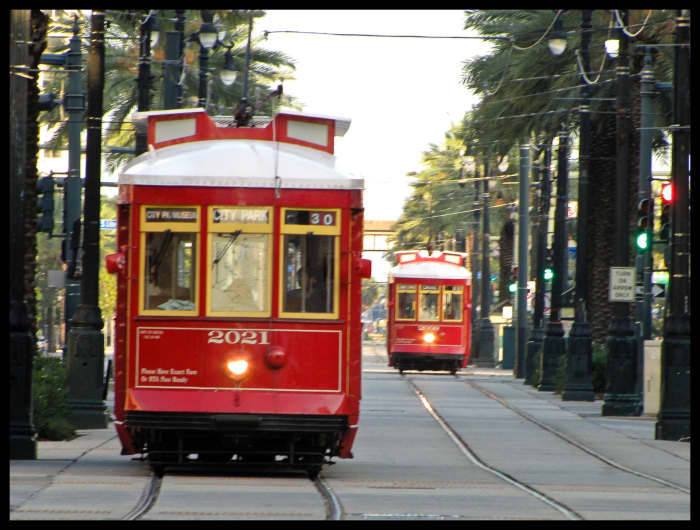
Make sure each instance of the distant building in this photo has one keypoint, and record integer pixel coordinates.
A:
(375, 245)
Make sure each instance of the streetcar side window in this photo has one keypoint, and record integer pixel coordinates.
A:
(406, 302)
(309, 269)
(452, 303)
(239, 271)
(169, 239)
(429, 306)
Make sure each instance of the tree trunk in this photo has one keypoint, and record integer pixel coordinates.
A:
(506, 245)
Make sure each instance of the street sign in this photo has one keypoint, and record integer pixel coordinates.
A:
(658, 290)
(622, 284)
(108, 224)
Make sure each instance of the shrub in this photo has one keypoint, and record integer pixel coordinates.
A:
(50, 399)
(534, 378)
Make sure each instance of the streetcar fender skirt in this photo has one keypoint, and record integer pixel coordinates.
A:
(346, 443)
(128, 447)
(228, 400)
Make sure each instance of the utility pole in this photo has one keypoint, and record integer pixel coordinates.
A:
(22, 433)
(674, 415)
(537, 333)
(579, 366)
(523, 235)
(74, 104)
(554, 344)
(486, 333)
(475, 273)
(85, 340)
(174, 47)
(621, 397)
(144, 79)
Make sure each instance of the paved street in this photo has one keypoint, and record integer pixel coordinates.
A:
(532, 457)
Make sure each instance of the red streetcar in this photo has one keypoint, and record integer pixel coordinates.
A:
(428, 325)
(239, 292)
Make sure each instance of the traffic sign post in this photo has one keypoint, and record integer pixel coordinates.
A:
(622, 284)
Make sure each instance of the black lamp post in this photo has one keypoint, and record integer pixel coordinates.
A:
(579, 366)
(148, 33)
(85, 339)
(554, 343)
(621, 396)
(674, 415)
(537, 333)
(22, 434)
(486, 332)
(476, 204)
(206, 37)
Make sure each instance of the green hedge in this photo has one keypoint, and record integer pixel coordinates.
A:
(50, 399)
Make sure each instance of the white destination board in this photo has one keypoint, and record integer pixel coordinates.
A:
(622, 284)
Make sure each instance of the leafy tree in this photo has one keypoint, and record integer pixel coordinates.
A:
(122, 52)
(529, 95)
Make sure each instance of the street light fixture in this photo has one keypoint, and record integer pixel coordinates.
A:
(229, 72)
(557, 40)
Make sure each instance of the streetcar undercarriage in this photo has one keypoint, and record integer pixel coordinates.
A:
(250, 441)
(420, 362)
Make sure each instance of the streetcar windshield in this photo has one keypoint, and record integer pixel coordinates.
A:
(429, 302)
(452, 302)
(308, 273)
(239, 273)
(170, 271)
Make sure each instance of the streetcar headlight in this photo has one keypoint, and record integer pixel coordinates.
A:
(429, 337)
(238, 368)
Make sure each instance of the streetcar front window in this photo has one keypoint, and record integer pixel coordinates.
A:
(170, 271)
(406, 304)
(308, 272)
(452, 302)
(429, 302)
(239, 273)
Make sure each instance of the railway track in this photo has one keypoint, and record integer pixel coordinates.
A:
(472, 455)
(150, 496)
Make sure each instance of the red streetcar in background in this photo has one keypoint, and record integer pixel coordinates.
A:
(239, 292)
(428, 325)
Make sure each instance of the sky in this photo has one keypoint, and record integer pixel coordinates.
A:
(400, 94)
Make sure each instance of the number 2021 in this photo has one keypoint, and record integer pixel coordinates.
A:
(237, 336)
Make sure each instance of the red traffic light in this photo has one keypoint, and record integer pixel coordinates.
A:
(667, 192)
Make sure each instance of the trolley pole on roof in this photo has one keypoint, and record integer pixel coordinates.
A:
(85, 339)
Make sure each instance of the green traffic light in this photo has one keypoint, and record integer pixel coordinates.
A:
(548, 273)
(642, 240)
(512, 287)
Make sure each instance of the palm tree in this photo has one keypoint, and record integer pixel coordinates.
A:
(529, 94)
(122, 51)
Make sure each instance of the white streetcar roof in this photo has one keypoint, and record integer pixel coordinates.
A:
(189, 148)
(436, 266)
(238, 163)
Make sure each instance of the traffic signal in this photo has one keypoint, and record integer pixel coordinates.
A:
(44, 188)
(548, 268)
(513, 285)
(644, 222)
(666, 200)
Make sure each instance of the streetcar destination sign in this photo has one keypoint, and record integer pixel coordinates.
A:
(622, 284)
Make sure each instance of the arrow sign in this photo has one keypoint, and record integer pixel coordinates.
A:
(658, 290)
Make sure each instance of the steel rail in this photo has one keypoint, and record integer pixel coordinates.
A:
(576, 443)
(467, 451)
(147, 500)
(334, 510)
